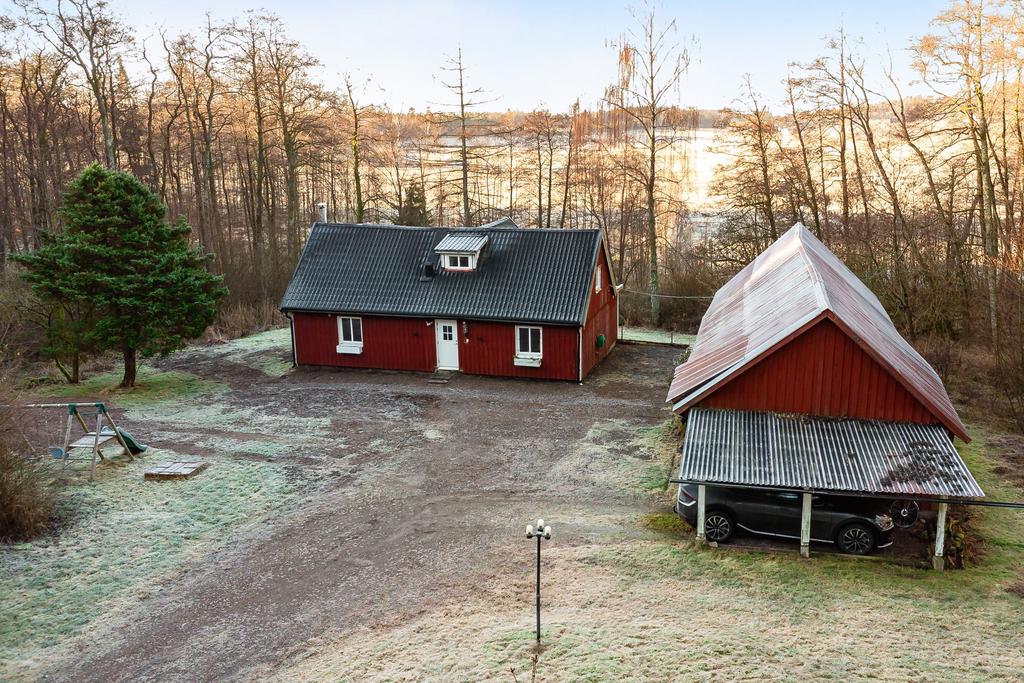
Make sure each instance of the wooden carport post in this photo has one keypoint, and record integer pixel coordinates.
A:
(701, 504)
(805, 526)
(938, 561)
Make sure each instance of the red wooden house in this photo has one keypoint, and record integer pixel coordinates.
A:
(494, 300)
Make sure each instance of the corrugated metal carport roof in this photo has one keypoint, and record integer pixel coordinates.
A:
(823, 454)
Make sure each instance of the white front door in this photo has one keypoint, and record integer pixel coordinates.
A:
(447, 344)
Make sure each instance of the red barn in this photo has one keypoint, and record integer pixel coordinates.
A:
(494, 300)
(797, 332)
(799, 382)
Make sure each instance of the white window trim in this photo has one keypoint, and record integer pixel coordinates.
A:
(349, 347)
(529, 358)
(597, 279)
(446, 262)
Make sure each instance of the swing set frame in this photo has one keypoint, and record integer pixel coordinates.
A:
(94, 440)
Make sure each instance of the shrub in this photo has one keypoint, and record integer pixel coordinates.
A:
(245, 318)
(26, 500)
(26, 496)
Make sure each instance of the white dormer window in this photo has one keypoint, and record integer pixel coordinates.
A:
(460, 250)
(597, 279)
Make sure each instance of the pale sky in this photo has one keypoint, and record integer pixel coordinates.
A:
(531, 53)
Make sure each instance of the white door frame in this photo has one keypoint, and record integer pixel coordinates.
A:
(447, 349)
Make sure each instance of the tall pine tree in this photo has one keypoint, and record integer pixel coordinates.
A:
(414, 209)
(149, 289)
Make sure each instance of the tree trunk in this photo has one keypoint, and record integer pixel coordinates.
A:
(652, 236)
(568, 165)
(356, 178)
(130, 368)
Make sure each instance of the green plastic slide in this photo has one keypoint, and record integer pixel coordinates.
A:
(134, 447)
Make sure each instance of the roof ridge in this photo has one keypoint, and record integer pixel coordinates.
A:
(820, 291)
(455, 228)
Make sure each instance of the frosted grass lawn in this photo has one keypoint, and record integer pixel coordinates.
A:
(155, 387)
(120, 536)
(653, 336)
(621, 454)
(662, 610)
(647, 604)
(268, 352)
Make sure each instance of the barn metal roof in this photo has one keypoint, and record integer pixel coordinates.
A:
(823, 454)
(525, 275)
(463, 242)
(790, 286)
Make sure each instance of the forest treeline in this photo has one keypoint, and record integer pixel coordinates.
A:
(237, 130)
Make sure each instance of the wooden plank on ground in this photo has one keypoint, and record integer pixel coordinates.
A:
(175, 469)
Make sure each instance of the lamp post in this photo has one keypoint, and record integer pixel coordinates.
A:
(540, 532)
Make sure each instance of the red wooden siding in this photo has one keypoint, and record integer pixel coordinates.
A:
(821, 372)
(388, 343)
(489, 348)
(602, 319)
(409, 344)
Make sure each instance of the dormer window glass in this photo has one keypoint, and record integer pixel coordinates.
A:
(458, 262)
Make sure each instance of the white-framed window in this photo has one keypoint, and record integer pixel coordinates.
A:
(458, 262)
(529, 345)
(597, 279)
(350, 334)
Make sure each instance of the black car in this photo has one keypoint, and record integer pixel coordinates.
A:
(852, 524)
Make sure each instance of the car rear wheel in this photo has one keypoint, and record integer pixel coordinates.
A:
(856, 539)
(718, 526)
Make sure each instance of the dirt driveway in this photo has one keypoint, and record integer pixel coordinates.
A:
(422, 490)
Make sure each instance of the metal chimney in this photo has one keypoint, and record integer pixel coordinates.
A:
(322, 207)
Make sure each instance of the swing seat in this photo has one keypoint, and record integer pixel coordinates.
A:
(106, 436)
(58, 453)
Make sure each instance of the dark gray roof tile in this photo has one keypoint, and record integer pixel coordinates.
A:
(524, 275)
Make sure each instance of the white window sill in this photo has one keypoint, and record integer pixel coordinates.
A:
(350, 348)
(527, 361)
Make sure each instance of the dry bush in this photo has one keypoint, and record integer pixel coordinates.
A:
(242, 319)
(985, 388)
(20, 335)
(27, 497)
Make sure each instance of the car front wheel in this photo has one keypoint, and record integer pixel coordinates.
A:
(856, 539)
(718, 527)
